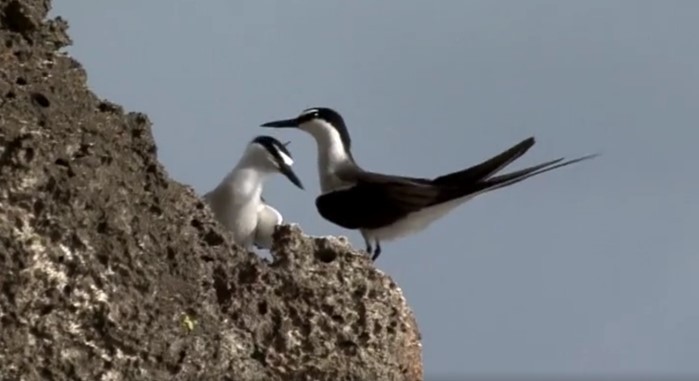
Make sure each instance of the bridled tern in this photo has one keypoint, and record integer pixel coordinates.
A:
(237, 202)
(384, 207)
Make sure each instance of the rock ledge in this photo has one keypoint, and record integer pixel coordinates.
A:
(110, 270)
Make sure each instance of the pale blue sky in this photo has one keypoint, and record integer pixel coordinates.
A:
(589, 269)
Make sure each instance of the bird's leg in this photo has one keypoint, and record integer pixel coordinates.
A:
(377, 251)
(368, 243)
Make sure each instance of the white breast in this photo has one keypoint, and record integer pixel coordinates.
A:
(236, 211)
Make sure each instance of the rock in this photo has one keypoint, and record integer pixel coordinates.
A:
(110, 270)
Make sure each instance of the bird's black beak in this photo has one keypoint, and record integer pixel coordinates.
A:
(289, 173)
(286, 123)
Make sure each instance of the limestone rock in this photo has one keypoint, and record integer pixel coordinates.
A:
(110, 270)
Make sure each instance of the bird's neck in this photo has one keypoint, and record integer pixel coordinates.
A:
(245, 179)
(331, 158)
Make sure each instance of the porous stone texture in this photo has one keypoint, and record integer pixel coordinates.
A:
(110, 270)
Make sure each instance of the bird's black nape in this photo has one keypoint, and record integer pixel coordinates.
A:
(272, 145)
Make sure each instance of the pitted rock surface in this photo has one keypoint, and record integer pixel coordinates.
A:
(110, 270)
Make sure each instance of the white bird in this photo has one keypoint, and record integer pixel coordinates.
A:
(237, 202)
(385, 207)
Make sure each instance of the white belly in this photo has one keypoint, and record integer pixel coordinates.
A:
(267, 220)
(414, 222)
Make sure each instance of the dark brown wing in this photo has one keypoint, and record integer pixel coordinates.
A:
(375, 200)
(482, 171)
(378, 200)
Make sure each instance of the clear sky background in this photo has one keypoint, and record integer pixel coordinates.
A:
(586, 270)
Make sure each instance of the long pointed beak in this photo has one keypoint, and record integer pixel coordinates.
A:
(286, 123)
(289, 173)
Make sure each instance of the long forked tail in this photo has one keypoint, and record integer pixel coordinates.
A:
(487, 168)
(497, 182)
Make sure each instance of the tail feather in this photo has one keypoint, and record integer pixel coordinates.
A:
(517, 176)
(487, 168)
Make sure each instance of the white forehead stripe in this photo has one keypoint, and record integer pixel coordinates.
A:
(286, 158)
(309, 111)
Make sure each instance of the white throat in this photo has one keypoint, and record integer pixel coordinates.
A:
(245, 181)
(331, 153)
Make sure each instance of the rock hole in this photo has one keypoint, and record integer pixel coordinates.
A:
(262, 307)
(212, 238)
(102, 227)
(156, 210)
(41, 99)
(359, 292)
(106, 160)
(170, 253)
(21, 81)
(107, 107)
(10, 95)
(62, 162)
(136, 133)
(21, 54)
(45, 310)
(223, 292)
(325, 255)
(38, 207)
(259, 356)
(183, 354)
(46, 373)
(248, 274)
(29, 154)
(103, 258)
(15, 17)
(82, 152)
(377, 328)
